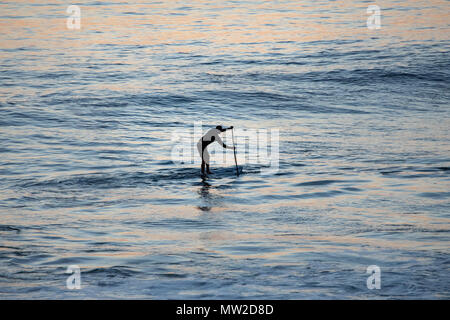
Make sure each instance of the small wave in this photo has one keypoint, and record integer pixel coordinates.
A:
(316, 183)
(412, 172)
(9, 228)
(435, 195)
(111, 272)
(183, 223)
(394, 228)
(133, 179)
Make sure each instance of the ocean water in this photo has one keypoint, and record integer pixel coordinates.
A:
(86, 137)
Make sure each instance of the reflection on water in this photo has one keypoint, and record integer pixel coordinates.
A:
(205, 195)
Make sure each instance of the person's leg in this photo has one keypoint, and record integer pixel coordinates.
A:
(203, 167)
(205, 157)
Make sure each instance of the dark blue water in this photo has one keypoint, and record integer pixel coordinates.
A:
(88, 177)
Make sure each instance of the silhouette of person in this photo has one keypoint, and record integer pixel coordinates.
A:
(210, 136)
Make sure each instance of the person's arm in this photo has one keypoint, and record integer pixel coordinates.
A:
(219, 140)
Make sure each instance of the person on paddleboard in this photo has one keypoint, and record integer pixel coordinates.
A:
(210, 136)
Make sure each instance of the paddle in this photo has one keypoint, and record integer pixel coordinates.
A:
(234, 150)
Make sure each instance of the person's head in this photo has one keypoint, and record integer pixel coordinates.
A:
(220, 128)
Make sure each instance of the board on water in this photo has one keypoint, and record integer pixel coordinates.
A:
(223, 172)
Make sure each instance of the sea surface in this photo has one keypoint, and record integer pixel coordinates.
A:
(87, 124)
